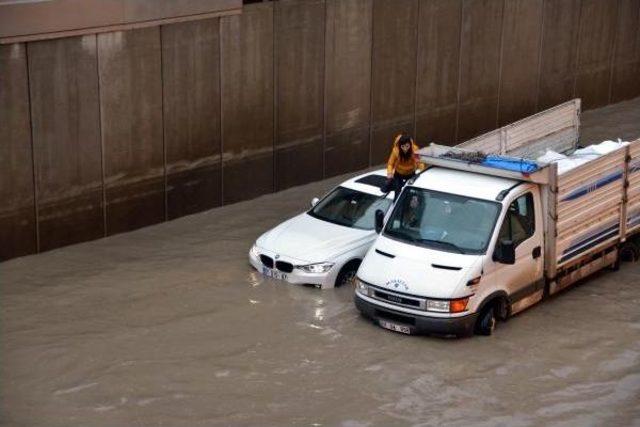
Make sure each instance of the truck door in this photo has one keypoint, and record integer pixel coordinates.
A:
(522, 226)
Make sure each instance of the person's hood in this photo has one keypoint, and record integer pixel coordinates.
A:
(310, 239)
(417, 270)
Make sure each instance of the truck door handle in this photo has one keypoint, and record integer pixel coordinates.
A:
(537, 251)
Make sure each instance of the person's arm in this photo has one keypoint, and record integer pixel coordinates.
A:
(391, 163)
(419, 164)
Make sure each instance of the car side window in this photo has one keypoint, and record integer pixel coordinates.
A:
(519, 223)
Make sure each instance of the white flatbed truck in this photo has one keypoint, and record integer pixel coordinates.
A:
(467, 244)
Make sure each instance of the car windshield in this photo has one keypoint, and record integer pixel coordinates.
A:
(443, 221)
(350, 208)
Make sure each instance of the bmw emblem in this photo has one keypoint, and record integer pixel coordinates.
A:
(277, 256)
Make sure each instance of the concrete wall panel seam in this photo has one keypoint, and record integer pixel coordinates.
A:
(373, 29)
(276, 6)
(455, 138)
(221, 109)
(501, 63)
(324, 94)
(104, 191)
(612, 57)
(577, 47)
(540, 45)
(33, 154)
(164, 130)
(415, 84)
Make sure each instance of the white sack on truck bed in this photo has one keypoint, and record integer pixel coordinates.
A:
(580, 156)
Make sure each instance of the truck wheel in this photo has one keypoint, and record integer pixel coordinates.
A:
(347, 275)
(486, 323)
(629, 251)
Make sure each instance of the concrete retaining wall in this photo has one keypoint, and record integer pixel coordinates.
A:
(105, 133)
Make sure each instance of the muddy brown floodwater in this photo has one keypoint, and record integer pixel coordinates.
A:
(169, 326)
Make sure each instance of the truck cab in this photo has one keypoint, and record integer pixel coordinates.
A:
(458, 250)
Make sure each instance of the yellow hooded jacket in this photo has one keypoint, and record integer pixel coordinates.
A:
(404, 167)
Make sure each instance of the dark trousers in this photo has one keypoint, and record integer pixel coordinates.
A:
(396, 184)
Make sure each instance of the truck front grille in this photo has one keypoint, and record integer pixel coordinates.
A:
(397, 299)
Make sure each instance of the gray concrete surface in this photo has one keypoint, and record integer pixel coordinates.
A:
(169, 326)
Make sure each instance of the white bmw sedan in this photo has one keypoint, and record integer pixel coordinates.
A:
(325, 245)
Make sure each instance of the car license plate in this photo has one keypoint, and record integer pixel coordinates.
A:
(270, 272)
(394, 327)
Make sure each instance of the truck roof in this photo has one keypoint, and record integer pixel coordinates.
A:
(463, 183)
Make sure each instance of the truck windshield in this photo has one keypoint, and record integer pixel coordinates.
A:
(350, 208)
(443, 221)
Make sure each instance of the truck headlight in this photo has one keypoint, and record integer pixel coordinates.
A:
(321, 267)
(452, 306)
(362, 287)
(438, 305)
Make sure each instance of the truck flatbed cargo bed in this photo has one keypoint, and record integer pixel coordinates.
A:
(588, 208)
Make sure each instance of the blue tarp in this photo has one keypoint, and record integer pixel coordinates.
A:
(511, 164)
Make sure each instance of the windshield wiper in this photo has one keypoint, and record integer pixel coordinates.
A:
(442, 242)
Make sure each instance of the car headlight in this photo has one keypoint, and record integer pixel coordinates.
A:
(362, 287)
(254, 251)
(321, 267)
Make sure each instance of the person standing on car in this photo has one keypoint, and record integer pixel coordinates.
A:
(403, 164)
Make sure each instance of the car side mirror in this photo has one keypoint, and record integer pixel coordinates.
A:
(314, 201)
(379, 220)
(505, 252)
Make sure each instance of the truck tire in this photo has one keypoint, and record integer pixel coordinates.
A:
(629, 251)
(348, 273)
(486, 323)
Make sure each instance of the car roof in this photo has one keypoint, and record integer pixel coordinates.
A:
(369, 182)
(463, 183)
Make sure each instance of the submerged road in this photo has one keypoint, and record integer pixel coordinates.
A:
(169, 326)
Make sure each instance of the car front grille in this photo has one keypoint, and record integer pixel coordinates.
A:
(285, 267)
(267, 261)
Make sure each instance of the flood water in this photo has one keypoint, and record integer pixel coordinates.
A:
(170, 326)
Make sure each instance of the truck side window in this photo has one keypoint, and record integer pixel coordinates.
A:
(519, 223)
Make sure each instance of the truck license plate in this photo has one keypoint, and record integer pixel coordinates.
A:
(270, 272)
(394, 327)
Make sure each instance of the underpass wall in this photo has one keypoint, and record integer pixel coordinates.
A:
(108, 132)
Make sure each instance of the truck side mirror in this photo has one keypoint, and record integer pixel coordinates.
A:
(379, 220)
(314, 201)
(505, 252)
